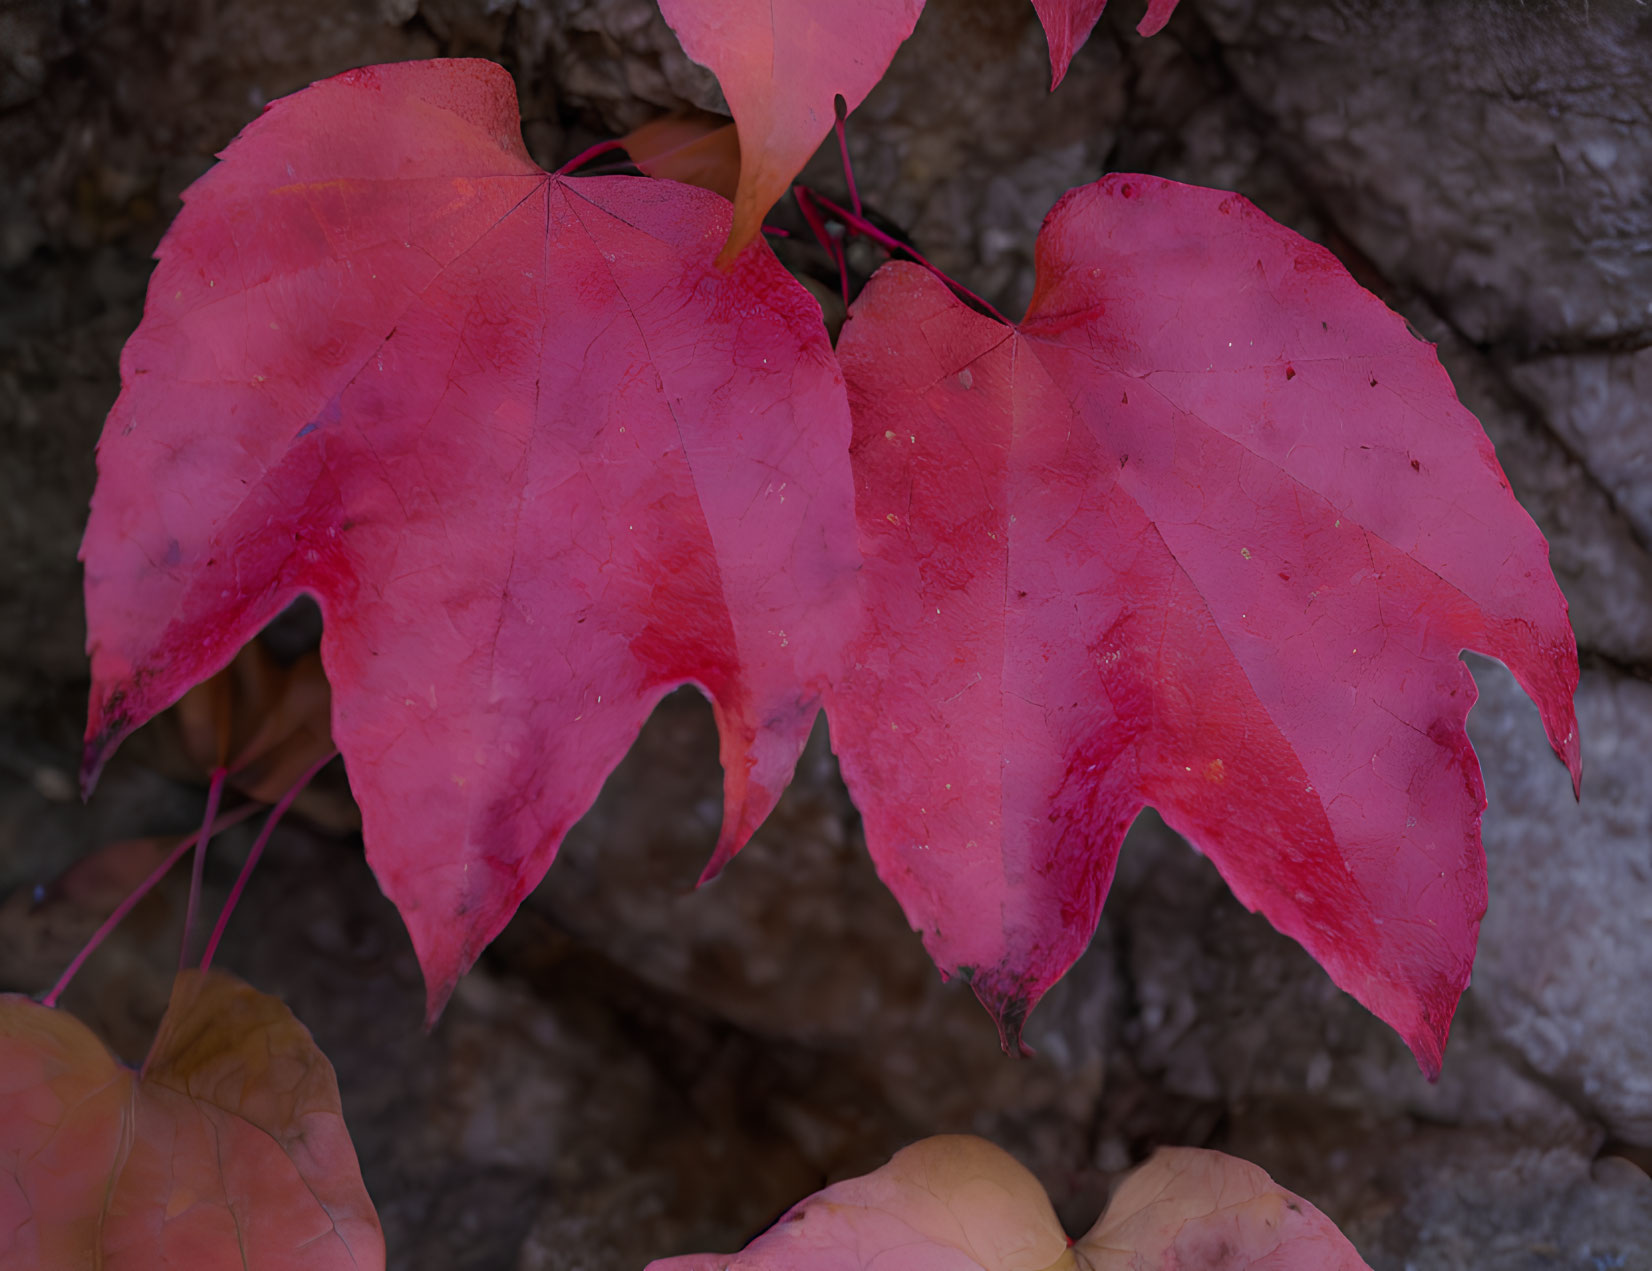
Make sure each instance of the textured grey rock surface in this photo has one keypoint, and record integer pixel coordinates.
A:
(1597, 403)
(638, 1068)
(1491, 156)
(1564, 973)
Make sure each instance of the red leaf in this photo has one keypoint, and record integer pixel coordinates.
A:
(229, 1149)
(539, 461)
(957, 1203)
(781, 64)
(1208, 531)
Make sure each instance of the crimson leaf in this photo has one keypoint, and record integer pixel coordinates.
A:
(1206, 531)
(538, 459)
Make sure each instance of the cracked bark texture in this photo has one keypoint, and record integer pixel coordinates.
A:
(638, 1069)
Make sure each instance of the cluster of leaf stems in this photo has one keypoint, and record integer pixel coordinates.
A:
(211, 824)
(830, 222)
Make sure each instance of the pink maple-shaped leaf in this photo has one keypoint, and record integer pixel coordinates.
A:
(1208, 531)
(537, 458)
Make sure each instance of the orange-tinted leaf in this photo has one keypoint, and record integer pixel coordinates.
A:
(694, 147)
(229, 1149)
(957, 1203)
(1191, 1208)
(781, 64)
(291, 731)
(205, 717)
(267, 722)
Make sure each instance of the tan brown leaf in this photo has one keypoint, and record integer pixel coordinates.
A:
(228, 1149)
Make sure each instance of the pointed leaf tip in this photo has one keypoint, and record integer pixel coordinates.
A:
(1009, 1008)
(1067, 25)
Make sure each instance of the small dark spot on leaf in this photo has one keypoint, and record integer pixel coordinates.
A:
(1123, 459)
(1373, 381)
(1415, 466)
(1020, 595)
(1128, 190)
(1290, 372)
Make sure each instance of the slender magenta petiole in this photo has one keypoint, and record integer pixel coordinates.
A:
(842, 253)
(841, 109)
(585, 156)
(197, 868)
(138, 893)
(811, 215)
(860, 225)
(834, 248)
(270, 822)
